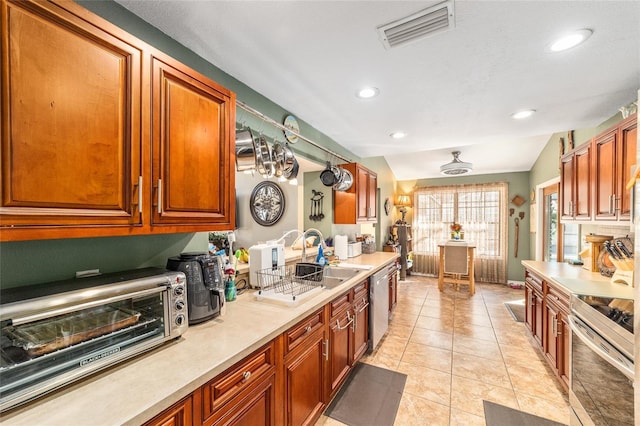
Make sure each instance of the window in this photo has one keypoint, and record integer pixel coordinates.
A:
(480, 209)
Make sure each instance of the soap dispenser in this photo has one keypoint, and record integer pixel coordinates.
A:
(320, 258)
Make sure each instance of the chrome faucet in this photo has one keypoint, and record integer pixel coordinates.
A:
(304, 242)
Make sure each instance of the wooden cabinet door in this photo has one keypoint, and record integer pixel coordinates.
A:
(582, 209)
(566, 187)
(363, 197)
(339, 350)
(627, 159)
(372, 197)
(538, 318)
(360, 325)
(71, 137)
(304, 382)
(530, 307)
(604, 152)
(193, 121)
(179, 414)
(565, 348)
(551, 335)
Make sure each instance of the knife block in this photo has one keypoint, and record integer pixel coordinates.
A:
(623, 273)
(590, 255)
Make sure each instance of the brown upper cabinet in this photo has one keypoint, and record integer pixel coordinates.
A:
(91, 145)
(614, 156)
(575, 188)
(594, 175)
(358, 204)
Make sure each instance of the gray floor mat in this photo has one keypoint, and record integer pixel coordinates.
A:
(499, 415)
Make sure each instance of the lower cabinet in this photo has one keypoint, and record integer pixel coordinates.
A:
(304, 371)
(547, 311)
(291, 379)
(348, 334)
(179, 414)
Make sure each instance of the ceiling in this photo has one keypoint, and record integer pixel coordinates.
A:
(455, 90)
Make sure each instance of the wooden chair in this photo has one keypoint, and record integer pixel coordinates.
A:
(456, 265)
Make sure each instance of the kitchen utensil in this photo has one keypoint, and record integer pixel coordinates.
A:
(625, 251)
(346, 181)
(278, 159)
(329, 175)
(264, 161)
(291, 173)
(321, 213)
(245, 150)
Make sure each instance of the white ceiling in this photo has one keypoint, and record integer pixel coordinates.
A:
(453, 90)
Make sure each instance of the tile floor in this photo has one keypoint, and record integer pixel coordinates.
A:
(457, 350)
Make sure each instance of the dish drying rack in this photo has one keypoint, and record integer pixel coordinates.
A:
(289, 285)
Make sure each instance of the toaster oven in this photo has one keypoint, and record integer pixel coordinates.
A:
(55, 333)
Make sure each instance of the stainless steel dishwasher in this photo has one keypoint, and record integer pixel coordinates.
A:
(379, 299)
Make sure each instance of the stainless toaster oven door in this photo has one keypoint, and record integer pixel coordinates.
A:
(40, 353)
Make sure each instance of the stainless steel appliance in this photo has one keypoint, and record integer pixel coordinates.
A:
(379, 300)
(205, 284)
(602, 364)
(55, 333)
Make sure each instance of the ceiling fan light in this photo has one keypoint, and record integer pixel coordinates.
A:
(456, 167)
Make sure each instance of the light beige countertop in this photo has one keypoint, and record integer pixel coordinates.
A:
(575, 279)
(137, 390)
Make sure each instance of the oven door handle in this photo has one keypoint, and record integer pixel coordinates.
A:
(577, 326)
(72, 308)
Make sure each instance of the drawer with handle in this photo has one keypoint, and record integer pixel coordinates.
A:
(227, 385)
(297, 335)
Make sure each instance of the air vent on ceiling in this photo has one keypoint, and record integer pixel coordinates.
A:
(429, 21)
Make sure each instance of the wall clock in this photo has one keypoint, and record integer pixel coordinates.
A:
(267, 203)
(291, 123)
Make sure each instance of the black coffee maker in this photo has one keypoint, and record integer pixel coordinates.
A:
(205, 284)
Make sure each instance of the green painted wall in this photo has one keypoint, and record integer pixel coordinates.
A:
(518, 185)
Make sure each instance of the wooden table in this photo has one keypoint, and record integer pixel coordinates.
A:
(457, 279)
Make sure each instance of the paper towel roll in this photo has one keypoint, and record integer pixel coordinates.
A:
(340, 243)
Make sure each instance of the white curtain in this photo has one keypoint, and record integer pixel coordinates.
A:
(481, 209)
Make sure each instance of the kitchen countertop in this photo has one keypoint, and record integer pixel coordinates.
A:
(575, 279)
(133, 392)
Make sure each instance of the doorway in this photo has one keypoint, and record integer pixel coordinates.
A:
(552, 235)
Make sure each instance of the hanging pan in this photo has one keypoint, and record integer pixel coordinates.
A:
(345, 181)
(245, 150)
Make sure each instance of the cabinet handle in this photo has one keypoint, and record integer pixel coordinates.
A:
(611, 197)
(307, 329)
(354, 323)
(364, 305)
(140, 194)
(245, 376)
(159, 196)
(325, 352)
(558, 329)
(555, 327)
(615, 203)
(349, 322)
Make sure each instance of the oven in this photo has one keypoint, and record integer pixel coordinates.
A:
(602, 368)
(55, 333)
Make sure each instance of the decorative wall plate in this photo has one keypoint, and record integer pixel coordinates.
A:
(267, 203)
(291, 122)
(387, 206)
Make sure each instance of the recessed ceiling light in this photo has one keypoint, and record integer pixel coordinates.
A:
(570, 40)
(398, 135)
(367, 92)
(523, 114)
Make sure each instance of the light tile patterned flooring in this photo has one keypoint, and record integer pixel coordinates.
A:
(458, 350)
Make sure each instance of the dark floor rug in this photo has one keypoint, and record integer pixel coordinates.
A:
(499, 415)
(370, 396)
(516, 309)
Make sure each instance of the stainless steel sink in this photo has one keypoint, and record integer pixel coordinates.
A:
(333, 282)
(334, 276)
(336, 271)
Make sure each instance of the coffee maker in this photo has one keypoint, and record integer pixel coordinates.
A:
(205, 284)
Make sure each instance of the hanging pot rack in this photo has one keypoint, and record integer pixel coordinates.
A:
(284, 128)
